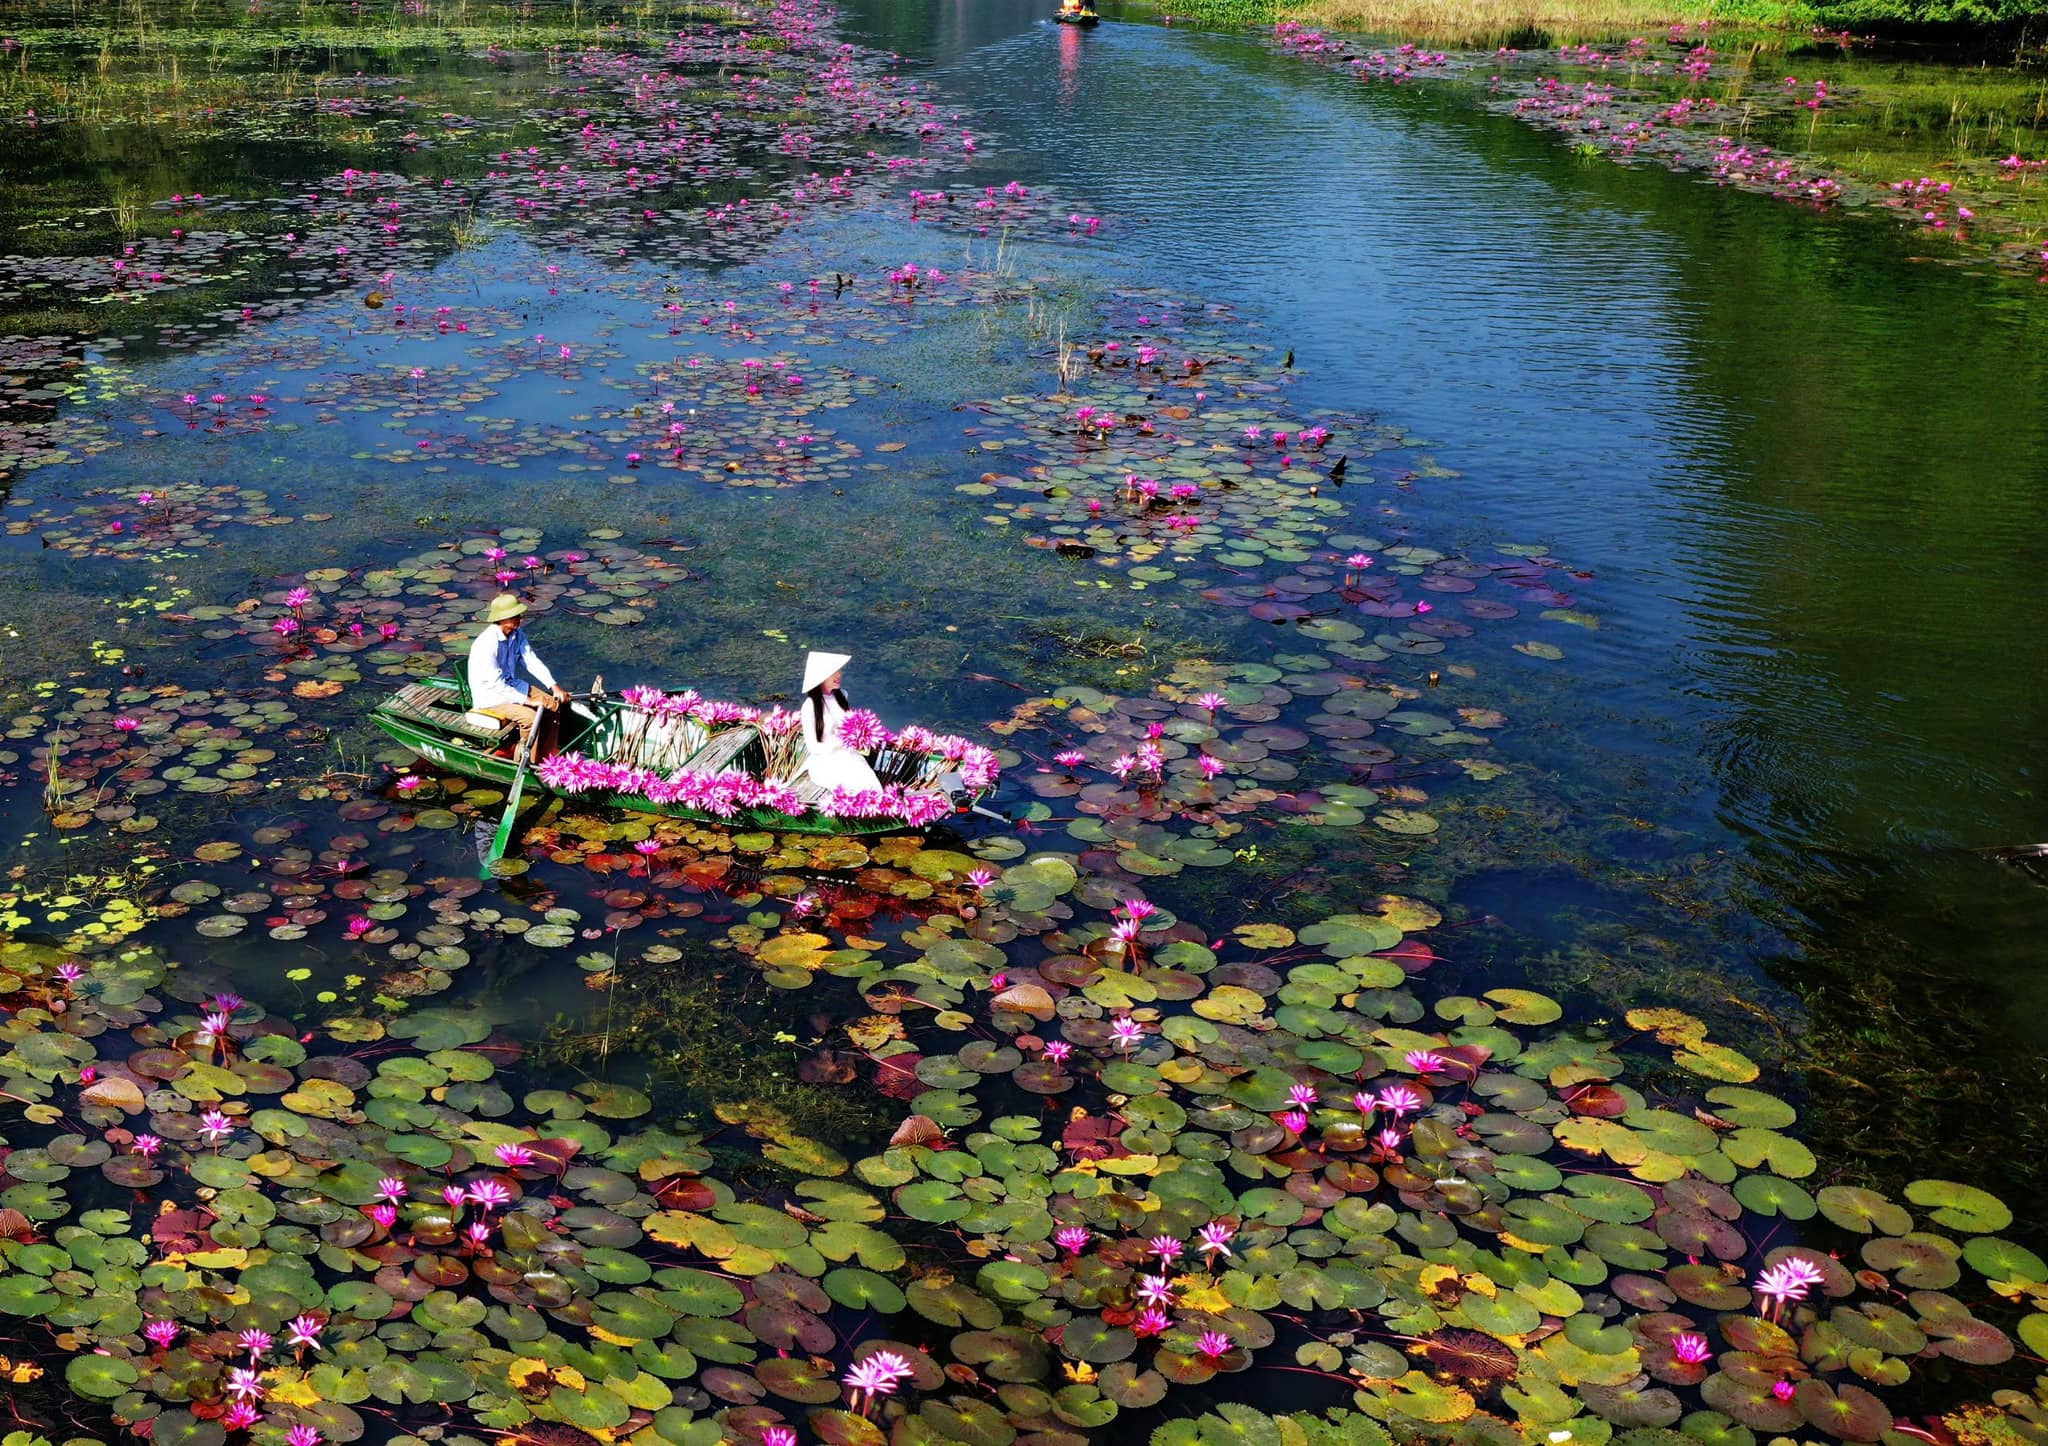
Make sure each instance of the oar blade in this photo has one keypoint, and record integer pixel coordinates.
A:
(504, 835)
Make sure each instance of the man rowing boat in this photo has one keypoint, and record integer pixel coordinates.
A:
(495, 660)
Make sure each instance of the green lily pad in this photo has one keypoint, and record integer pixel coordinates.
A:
(1960, 1207)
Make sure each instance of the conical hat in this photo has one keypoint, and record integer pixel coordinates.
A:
(820, 666)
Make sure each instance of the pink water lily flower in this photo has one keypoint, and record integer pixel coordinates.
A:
(875, 1375)
(1788, 1280)
(1400, 1100)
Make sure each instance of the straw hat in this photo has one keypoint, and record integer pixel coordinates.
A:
(504, 606)
(820, 666)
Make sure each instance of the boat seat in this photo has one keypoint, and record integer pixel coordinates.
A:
(722, 751)
(438, 707)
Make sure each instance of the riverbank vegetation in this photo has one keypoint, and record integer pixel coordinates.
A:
(1955, 150)
(2001, 26)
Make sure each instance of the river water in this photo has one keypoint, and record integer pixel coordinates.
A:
(1805, 461)
(1779, 675)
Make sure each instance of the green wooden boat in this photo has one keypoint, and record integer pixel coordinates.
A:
(432, 718)
(1076, 17)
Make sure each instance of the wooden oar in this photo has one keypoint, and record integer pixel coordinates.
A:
(504, 836)
(520, 769)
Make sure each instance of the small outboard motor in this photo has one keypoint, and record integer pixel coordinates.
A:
(955, 788)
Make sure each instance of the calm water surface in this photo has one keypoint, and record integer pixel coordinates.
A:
(1799, 466)
(1806, 464)
(1795, 471)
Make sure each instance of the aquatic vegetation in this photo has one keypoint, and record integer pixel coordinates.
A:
(111, 755)
(1297, 1139)
(1015, 1133)
(176, 516)
(1694, 107)
(415, 615)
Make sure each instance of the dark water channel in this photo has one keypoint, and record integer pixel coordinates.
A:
(1805, 462)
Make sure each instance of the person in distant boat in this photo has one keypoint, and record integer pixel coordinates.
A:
(829, 762)
(496, 660)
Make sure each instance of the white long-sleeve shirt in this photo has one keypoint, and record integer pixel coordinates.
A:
(491, 683)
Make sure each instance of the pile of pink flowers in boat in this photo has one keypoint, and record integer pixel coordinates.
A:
(725, 792)
(915, 758)
(860, 729)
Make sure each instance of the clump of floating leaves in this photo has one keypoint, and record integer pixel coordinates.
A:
(1130, 1156)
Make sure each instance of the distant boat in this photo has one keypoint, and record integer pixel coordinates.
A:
(1076, 17)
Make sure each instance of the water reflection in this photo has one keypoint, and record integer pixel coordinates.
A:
(1071, 41)
(1805, 464)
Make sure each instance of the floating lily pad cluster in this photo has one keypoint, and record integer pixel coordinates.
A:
(418, 615)
(1221, 746)
(1241, 501)
(118, 757)
(166, 520)
(39, 375)
(676, 143)
(1274, 1144)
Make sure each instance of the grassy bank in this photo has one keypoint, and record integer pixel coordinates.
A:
(1484, 24)
(1487, 24)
